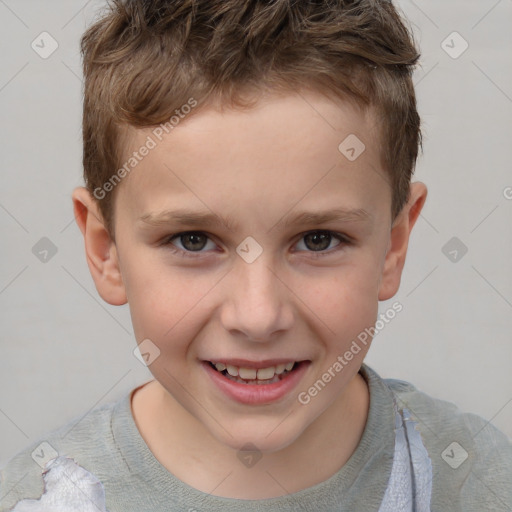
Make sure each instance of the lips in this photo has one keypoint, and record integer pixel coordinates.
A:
(256, 391)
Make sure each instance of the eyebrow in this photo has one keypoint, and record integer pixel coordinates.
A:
(207, 219)
(187, 217)
(337, 215)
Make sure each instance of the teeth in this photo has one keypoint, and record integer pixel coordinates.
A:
(232, 370)
(247, 373)
(253, 373)
(265, 373)
(280, 368)
(256, 382)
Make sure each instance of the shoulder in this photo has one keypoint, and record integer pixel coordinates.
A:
(87, 440)
(471, 459)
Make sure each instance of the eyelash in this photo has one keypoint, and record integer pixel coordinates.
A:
(343, 239)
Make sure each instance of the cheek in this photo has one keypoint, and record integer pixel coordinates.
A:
(345, 293)
(342, 303)
(164, 301)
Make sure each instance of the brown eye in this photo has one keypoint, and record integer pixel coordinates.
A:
(192, 241)
(318, 240)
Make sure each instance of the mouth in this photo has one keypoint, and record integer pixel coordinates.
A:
(251, 375)
(256, 383)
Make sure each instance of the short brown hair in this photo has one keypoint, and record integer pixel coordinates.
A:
(145, 58)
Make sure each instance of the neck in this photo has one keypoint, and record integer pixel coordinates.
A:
(186, 449)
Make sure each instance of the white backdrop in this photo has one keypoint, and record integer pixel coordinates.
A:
(65, 351)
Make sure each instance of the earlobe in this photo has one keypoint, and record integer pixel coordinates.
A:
(100, 249)
(399, 240)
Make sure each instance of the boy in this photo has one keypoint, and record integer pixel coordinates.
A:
(248, 169)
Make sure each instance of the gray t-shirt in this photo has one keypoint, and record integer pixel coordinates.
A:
(470, 463)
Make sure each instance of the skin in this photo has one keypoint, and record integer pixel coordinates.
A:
(261, 167)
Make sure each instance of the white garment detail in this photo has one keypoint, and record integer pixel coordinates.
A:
(68, 487)
(410, 484)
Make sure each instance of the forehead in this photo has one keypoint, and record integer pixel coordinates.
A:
(283, 151)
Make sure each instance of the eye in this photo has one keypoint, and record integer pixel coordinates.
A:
(190, 241)
(321, 240)
(317, 243)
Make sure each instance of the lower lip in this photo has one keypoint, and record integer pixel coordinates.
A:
(257, 394)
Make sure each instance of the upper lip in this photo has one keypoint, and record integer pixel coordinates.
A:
(245, 363)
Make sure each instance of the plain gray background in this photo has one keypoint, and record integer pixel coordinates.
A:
(65, 351)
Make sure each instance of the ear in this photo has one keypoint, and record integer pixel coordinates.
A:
(399, 239)
(100, 249)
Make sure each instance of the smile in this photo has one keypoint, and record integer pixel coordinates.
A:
(256, 383)
(259, 376)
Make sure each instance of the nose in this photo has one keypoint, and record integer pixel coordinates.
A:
(257, 303)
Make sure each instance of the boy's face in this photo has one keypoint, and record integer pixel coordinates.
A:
(269, 289)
